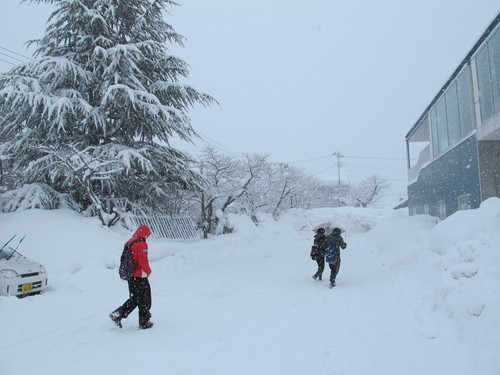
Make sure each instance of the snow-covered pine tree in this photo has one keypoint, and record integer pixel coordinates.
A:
(92, 115)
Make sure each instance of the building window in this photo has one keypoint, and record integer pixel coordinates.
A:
(442, 127)
(484, 82)
(426, 209)
(488, 77)
(464, 103)
(494, 52)
(441, 209)
(452, 117)
(464, 202)
(438, 126)
(434, 131)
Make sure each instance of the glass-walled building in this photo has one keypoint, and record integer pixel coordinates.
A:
(453, 150)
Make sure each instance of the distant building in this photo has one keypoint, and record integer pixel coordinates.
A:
(457, 138)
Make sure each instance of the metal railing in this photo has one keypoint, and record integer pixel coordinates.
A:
(165, 226)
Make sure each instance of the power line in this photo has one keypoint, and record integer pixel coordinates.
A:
(323, 171)
(8, 62)
(13, 60)
(11, 57)
(312, 159)
(373, 157)
(350, 175)
(15, 53)
(345, 156)
(219, 145)
(388, 179)
(370, 168)
(224, 148)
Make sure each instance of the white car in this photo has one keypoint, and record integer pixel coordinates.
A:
(20, 276)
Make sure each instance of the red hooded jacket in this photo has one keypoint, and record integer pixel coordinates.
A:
(140, 251)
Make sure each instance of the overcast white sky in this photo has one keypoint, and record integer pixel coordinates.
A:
(302, 80)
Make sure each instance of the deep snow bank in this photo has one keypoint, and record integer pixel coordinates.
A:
(432, 289)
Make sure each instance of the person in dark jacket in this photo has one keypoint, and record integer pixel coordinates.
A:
(138, 285)
(318, 252)
(335, 242)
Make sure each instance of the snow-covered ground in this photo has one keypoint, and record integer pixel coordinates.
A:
(414, 297)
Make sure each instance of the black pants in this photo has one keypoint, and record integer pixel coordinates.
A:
(140, 296)
(321, 267)
(334, 269)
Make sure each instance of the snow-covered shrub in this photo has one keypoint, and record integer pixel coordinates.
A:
(35, 196)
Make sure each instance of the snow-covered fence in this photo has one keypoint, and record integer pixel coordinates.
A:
(165, 226)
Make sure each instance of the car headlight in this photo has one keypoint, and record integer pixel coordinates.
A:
(42, 269)
(9, 273)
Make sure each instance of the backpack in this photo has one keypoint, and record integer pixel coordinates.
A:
(127, 264)
(315, 253)
(332, 249)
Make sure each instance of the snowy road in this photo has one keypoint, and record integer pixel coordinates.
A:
(239, 304)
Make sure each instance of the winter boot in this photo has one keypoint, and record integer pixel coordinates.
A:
(145, 323)
(318, 276)
(332, 284)
(116, 317)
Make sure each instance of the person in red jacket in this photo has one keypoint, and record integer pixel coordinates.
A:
(138, 285)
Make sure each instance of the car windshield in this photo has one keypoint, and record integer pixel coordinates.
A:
(7, 252)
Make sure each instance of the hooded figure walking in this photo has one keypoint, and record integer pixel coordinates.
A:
(335, 243)
(318, 252)
(138, 286)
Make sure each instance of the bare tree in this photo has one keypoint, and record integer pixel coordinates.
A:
(226, 179)
(290, 189)
(276, 187)
(248, 185)
(369, 190)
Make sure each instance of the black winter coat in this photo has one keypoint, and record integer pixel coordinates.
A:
(319, 247)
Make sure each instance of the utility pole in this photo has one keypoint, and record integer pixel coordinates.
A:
(338, 155)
